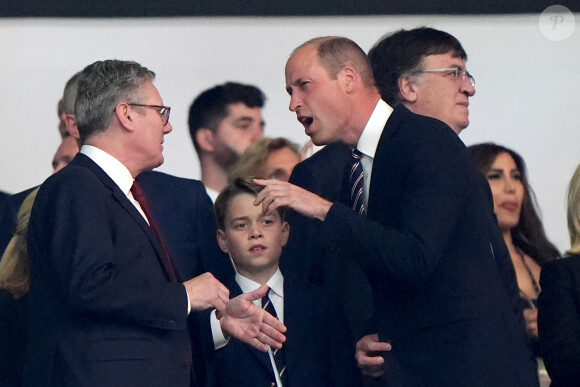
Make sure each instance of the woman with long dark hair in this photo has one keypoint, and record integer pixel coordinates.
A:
(518, 217)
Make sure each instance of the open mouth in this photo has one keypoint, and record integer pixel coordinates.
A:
(306, 122)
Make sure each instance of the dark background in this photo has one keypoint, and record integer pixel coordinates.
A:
(164, 8)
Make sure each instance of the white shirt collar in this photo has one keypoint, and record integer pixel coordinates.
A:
(276, 283)
(112, 167)
(369, 139)
(212, 193)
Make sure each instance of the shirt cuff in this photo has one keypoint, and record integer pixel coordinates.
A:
(188, 303)
(219, 339)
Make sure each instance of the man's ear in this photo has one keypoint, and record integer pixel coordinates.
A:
(285, 233)
(205, 139)
(407, 89)
(71, 126)
(350, 78)
(221, 238)
(125, 115)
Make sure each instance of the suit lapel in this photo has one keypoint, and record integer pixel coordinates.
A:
(121, 198)
(294, 319)
(390, 128)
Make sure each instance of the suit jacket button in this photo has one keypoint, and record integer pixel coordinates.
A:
(171, 324)
(185, 364)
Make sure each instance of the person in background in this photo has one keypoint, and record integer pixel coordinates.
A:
(66, 151)
(559, 303)
(518, 217)
(224, 121)
(268, 158)
(14, 285)
(64, 154)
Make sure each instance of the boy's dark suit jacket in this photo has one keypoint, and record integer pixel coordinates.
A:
(319, 350)
(102, 308)
(443, 284)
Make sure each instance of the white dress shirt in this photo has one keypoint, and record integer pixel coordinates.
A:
(120, 176)
(115, 170)
(276, 295)
(369, 140)
(212, 193)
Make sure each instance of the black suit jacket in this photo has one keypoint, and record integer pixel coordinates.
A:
(318, 349)
(443, 284)
(559, 320)
(103, 310)
(184, 214)
(309, 257)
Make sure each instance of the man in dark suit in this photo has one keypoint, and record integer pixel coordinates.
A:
(317, 351)
(106, 303)
(424, 232)
(181, 209)
(341, 277)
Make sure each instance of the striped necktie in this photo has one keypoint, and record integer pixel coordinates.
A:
(357, 182)
(279, 356)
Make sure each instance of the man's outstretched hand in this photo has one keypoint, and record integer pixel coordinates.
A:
(251, 324)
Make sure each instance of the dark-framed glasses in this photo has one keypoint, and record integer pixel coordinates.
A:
(162, 110)
(456, 72)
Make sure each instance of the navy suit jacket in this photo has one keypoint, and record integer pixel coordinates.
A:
(184, 214)
(318, 348)
(103, 310)
(443, 284)
(310, 258)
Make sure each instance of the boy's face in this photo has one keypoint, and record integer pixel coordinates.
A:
(254, 240)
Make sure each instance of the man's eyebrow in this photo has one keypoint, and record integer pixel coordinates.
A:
(295, 82)
(244, 119)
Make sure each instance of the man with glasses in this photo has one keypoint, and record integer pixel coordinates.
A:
(424, 69)
(414, 213)
(108, 306)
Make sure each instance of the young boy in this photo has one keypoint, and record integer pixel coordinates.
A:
(317, 351)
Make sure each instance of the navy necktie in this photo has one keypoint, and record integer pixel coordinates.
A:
(140, 197)
(357, 183)
(279, 356)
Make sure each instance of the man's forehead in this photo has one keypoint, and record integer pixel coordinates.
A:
(149, 91)
(303, 57)
(447, 59)
(241, 109)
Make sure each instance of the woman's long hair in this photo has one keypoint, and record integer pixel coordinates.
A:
(528, 235)
(14, 263)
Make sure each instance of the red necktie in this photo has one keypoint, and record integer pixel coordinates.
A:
(139, 195)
